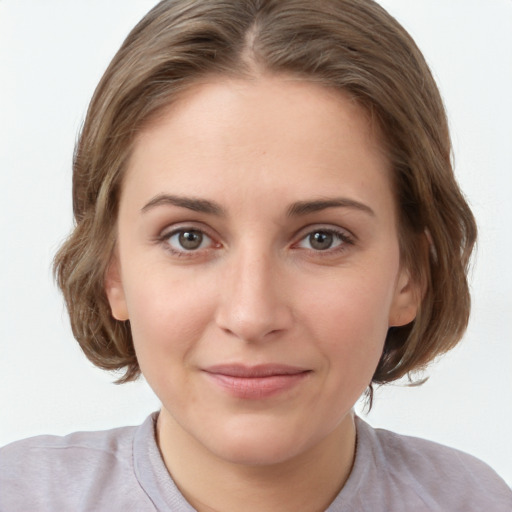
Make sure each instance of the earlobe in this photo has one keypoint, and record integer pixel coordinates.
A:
(115, 292)
(406, 301)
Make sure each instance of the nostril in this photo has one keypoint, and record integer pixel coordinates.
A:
(256, 329)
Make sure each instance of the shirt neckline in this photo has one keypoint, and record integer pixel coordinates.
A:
(157, 483)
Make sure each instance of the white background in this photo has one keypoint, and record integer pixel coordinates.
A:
(53, 53)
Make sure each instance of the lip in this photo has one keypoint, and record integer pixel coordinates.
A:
(255, 382)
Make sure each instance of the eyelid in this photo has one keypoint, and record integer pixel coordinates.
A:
(173, 228)
(329, 228)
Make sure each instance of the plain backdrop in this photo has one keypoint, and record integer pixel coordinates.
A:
(53, 53)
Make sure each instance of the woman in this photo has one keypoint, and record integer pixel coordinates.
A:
(267, 224)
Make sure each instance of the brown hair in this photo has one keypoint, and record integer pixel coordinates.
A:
(351, 45)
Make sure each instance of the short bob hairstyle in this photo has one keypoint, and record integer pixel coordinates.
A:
(353, 46)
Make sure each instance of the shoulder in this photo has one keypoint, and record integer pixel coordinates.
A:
(439, 477)
(77, 450)
(431, 461)
(48, 472)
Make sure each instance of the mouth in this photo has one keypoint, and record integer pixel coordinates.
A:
(256, 382)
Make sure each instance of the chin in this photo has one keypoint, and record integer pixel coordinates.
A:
(256, 452)
(259, 443)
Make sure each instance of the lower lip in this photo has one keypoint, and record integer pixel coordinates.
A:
(256, 388)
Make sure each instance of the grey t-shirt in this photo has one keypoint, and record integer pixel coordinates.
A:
(122, 470)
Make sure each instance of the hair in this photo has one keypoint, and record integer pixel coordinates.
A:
(353, 46)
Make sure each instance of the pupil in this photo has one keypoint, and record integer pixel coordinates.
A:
(321, 240)
(190, 239)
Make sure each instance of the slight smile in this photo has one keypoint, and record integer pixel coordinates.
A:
(256, 382)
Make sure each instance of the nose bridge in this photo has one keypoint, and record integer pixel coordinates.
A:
(252, 304)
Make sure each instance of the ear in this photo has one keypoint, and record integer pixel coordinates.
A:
(406, 300)
(115, 291)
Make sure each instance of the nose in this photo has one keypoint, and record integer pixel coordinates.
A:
(254, 304)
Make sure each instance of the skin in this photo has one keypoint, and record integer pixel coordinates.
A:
(257, 290)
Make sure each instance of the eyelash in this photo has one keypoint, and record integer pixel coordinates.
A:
(342, 237)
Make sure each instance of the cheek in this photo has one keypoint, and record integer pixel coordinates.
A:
(166, 313)
(168, 322)
(349, 318)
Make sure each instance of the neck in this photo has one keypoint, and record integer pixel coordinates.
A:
(308, 481)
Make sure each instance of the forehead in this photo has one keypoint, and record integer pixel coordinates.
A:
(254, 104)
(246, 135)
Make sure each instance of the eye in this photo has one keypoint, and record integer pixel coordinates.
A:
(324, 239)
(187, 240)
(320, 240)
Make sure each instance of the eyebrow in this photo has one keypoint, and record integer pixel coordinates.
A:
(305, 207)
(191, 203)
(296, 209)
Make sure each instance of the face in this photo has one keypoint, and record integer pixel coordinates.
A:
(258, 264)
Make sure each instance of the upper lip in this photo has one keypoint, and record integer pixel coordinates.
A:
(260, 370)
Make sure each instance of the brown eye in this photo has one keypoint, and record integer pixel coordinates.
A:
(327, 240)
(187, 240)
(321, 240)
(190, 239)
